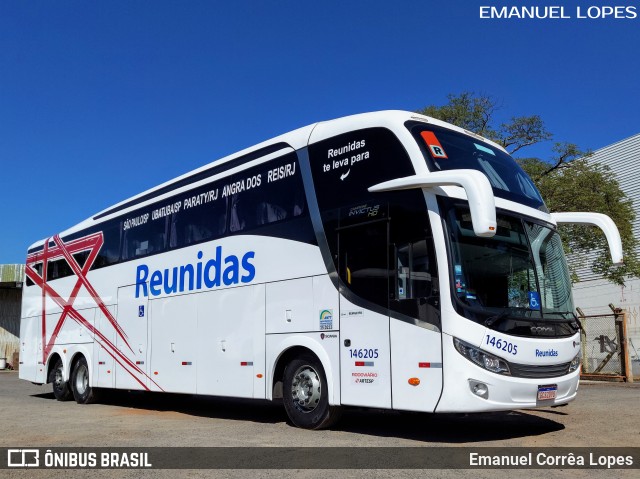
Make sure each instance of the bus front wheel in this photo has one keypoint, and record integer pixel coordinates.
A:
(305, 394)
(83, 393)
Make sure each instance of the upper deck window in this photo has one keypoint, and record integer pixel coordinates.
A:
(445, 149)
(267, 199)
(346, 165)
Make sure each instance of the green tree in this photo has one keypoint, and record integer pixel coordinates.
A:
(566, 180)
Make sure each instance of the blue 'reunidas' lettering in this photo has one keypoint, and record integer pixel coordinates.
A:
(141, 280)
(248, 267)
(211, 273)
(547, 353)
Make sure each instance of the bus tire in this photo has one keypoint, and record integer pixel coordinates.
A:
(60, 387)
(83, 393)
(305, 394)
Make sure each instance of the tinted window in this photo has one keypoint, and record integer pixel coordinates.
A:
(81, 258)
(257, 197)
(385, 255)
(38, 269)
(364, 267)
(203, 217)
(268, 199)
(266, 194)
(345, 166)
(110, 252)
(415, 290)
(145, 239)
(445, 149)
(58, 269)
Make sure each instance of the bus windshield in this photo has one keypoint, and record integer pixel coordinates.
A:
(521, 272)
(445, 149)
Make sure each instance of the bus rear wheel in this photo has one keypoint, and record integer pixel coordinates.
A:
(305, 394)
(60, 387)
(83, 393)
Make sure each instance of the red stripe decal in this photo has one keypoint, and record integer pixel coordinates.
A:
(60, 250)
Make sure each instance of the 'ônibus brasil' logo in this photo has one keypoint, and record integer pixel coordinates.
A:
(208, 274)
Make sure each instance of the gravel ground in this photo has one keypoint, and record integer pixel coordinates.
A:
(604, 415)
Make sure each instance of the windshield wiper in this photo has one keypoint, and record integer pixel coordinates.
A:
(498, 318)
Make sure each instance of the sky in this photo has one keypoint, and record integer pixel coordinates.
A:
(102, 100)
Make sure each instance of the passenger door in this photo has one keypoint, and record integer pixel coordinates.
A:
(364, 318)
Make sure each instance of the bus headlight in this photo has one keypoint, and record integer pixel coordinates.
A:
(575, 363)
(481, 358)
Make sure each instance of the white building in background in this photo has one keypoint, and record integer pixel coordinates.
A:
(593, 294)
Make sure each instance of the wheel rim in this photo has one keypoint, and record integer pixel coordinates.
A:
(82, 379)
(306, 389)
(58, 381)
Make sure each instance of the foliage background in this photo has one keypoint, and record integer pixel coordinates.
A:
(567, 180)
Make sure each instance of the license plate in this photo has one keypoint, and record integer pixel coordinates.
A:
(545, 393)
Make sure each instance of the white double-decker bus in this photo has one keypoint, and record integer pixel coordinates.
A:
(385, 260)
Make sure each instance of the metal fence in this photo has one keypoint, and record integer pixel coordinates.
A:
(605, 346)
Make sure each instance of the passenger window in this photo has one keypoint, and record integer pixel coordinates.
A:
(110, 252)
(37, 267)
(199, 223)
(241, 217)
(416, 293)
(58, 269)
(81, 258)
(415, 275)
(272, 193)
(145, 239)
(413, 271)
(364, 268)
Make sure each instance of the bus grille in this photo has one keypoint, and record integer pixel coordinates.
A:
(531, 371)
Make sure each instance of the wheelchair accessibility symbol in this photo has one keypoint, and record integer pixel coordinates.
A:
(534, 300)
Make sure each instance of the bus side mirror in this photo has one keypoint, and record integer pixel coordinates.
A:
(482, 203)
(603, 222)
